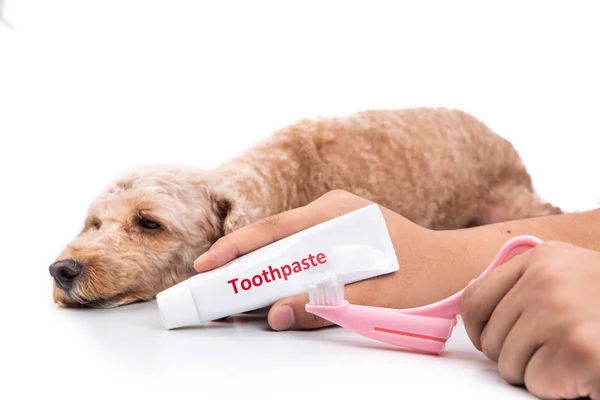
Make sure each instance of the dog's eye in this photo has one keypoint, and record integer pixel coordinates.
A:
(97, 224)
(148, 224)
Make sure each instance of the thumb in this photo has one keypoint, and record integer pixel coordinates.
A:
(290, 314)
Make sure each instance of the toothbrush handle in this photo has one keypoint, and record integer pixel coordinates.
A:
(424, 328)
(449, 307)
(428, 334)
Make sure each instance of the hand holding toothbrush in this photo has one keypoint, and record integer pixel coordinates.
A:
(538, 316)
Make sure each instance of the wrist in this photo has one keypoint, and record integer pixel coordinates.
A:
(473, 249)
(433, 264)
(457, 260)
(448, 260)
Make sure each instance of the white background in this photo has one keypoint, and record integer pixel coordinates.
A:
(90, 88)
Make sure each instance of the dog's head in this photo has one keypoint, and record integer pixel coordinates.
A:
(142, 235)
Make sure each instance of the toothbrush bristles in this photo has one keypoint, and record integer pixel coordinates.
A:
(330, 294)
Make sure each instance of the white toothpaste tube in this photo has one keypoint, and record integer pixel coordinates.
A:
(354, 247)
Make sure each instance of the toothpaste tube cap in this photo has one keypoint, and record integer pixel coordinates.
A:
(176, 306)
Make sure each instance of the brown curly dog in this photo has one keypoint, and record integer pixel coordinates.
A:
(440, 168)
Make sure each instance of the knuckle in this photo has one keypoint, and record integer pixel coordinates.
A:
(465, 299)
(545, 274)
(579, 342)
(594, 386)
(550, 246)
(552, 250)
(509, 373)
(489, 346)
(558, 302)
(227, 246)
(466, 305)
(220, 242)
(541, 252)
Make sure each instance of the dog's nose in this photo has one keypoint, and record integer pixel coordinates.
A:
(64, 273)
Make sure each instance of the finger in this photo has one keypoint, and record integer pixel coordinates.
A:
(556, 374)
(522, 342)
(480, 298)
(502, 321)
(269, 230)
(532, 378)
(289, 314)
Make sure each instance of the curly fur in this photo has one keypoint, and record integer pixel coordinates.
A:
(440, 168)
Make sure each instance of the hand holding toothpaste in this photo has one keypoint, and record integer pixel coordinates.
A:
(424, 275)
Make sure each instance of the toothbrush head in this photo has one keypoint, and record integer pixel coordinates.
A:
(328, 292)
(428, 334)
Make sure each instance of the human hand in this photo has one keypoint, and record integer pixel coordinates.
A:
(538, 316)
(425, 263)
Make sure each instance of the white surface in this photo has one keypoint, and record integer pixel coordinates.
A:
(88, 89)
(126, 352)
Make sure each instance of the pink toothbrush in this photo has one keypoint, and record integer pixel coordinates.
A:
(425, 328)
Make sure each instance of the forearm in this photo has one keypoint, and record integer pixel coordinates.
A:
(436, 264)
(479, 245)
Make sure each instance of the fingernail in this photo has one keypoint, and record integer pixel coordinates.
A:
(200, 260)
(282, 318)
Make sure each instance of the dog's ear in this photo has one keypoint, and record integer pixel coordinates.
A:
(231, 211)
